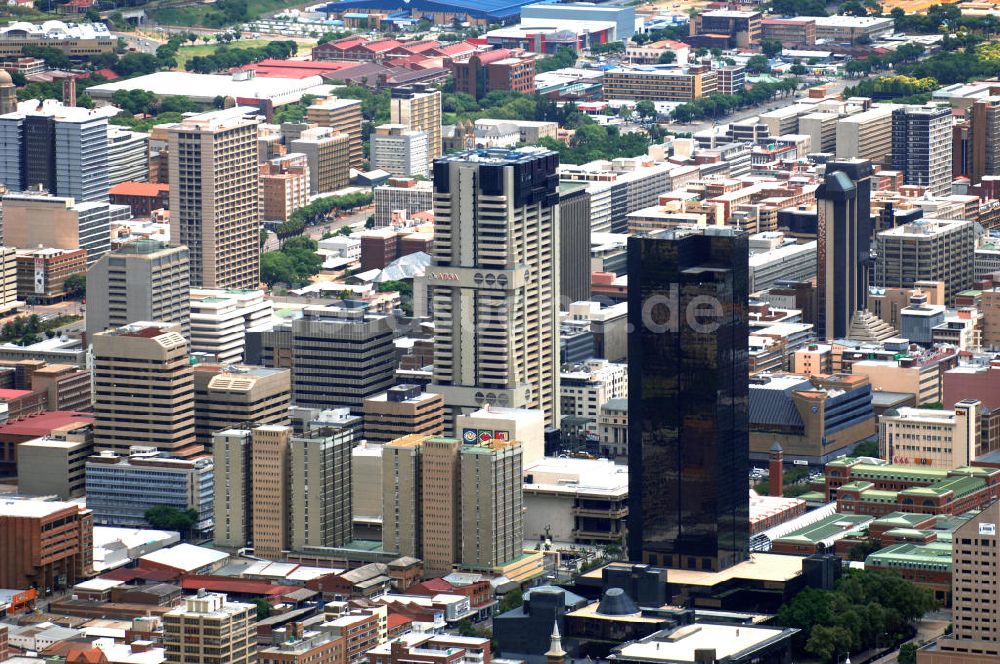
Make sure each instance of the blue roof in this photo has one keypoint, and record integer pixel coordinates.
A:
(493, 9)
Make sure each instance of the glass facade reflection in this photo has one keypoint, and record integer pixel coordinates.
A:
(688, 398)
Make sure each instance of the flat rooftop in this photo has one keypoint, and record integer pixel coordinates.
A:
(680, 645)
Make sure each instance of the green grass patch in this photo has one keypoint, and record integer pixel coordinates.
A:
(185, 53)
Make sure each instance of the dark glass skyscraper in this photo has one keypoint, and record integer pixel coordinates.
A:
(688, 398)
(844, 233)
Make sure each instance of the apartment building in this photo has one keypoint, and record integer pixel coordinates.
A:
(142, 280)
(8, 279)
(144, 389)
(984, 138)
(320, 480)
(209, 629)
(790, 31)
(329, 153)
(585, 388)
(284, 186)
(232, 505)
(121, 488)
(484, 276)
(418, 108)
(927, 250)
(55, 465)
(215, 197)
(925, 437)
(411, 196)
(297, 645)
(660, 83)
(238, 396)
(271, 490)
(343, 116)
(400, 411)
(127, 156)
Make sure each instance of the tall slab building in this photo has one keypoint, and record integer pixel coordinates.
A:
(215, 197)
(494, 281)
(689, 445)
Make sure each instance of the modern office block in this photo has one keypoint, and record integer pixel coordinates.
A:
(574, 243)
(209, 629)
(419, 109)
(233, 495)
(400, 411)
(399, 150)
(128, 156)
(239, 396)
(495, 289)
(340, 357)
(984, 138)
(121, 488)
(215, 197)
(492, 504)
(32, 220)
(328, 153)
(143, 389)
(844, 236)
(143, 280)
(867, 135)
(62, 149)
(921, 146)
(927, 250)
(688, 399)
(220, 319)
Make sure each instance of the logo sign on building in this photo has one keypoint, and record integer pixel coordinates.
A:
(40, 275)
(473, 436)
(988, 529)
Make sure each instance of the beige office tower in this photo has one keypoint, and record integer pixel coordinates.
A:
(867, 135)
(269, 458)
(144, 389)
(400, 411)
(440, 507)
(215, 197)
(492, 504)
(401, 480)
(321, 488)
(419, 109)
(143, 280)
(328, 154)
(494, 281)
(233, 502)
(975, 592)
(344, 117)
(8, 279)
(227, 396)
(208, 629)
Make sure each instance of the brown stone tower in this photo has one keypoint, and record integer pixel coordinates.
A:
(8, 94)
(776, 469)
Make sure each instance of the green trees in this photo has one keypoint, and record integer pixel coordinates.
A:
(563, 57)
(907, 654)
(717, 105)
(165, 517)
(592, 141)
(293, 264)
(646, 110)
(770, 47)
(758, 64)
(226, 56)
(76, 285)
(667, 57)
(866, 608)
(263, 608)
(132, 64)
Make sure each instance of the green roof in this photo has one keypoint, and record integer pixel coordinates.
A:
(898, 472)
(901, 519)
(857, 486)
(935, 556)
(878, 496)
(811, 496)
(907, 533)
(961, 486)
(826, 528)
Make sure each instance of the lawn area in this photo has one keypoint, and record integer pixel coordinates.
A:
(185, 53)
(195, 14)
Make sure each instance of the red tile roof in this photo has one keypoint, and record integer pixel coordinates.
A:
(13, 394)
(397, 620)
(271, 68)
(493, 56)
(41, 424)
(239, 586)
(148, 189)
(128, 574)
(108, 74)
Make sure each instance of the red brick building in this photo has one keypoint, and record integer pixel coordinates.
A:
(499, 69)
(46, 545)
(144, 197)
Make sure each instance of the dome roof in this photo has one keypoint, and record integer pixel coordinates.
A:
(616, 603)
(5, 78)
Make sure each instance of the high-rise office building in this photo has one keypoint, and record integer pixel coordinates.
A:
(31, 220)
(574, 243)
(975, 564)
(866, 135)
(844, 236)
(328, 154)
(215, 197)
(344, 117)
(921, 146)
(984, 138)
(340, 357)
(237, 396)
(208, 629)
(233, 497)
(142, 280)
(320, 476)
(128, 159)
(419, 109)
(399, 150)
(269, 484)
(62, 149)
(220, 319)
(927, 250)
(494, 281)
(450, 503)
(143, 389)
(688, 438)
(403, 410)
